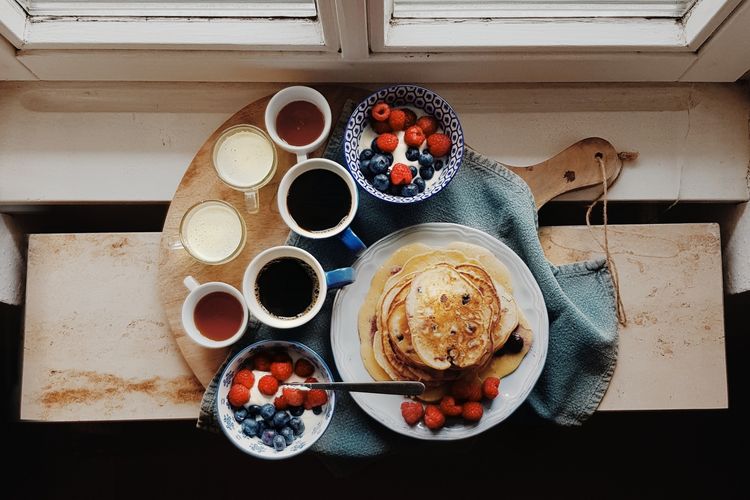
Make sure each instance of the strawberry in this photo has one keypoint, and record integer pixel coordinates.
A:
(294, 397)
(387, 142)
(412, 412)
(397, 120)
(315, 397)
(439, 145)
(281, 403)
(414, 136)
(282, 370)
(449, 407)
(310, 380)
(262, 363)
(381, 111)
(268, 385)
(411, 118)
(490, 387)
(433, 417)
(466, 390)
(238, 395)
(400, 174)
(381, 127)
(472, 411)
(303, 368)
(244, 377)
(428, 124)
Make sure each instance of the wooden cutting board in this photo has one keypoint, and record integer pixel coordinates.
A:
(574, 168)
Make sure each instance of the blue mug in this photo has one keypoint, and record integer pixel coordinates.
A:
(299, 207)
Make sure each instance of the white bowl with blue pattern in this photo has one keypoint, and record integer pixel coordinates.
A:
(315, 425)
(422, 99)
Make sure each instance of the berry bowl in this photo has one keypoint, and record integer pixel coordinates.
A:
(429, 161)
(262, 417)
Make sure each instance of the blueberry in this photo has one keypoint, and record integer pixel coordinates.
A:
(426, 159)
(395, 190)
(366, 154)
(288, 435)
(379, 164)
(514, 344)
(280, 419)
(438, 165)
(419, 182)
(426, 172)
(374, 146)
(296, 411)
(364, 167)
(388, 158)
(253, 410)
(381, 182)
(268, 437)
(261, 427)
(412, 154)
(297, 425)
(409, 190)
(317, 410)
(414, 172)
(279, 443)
(240, 415)
(267, 411)
(250, 427)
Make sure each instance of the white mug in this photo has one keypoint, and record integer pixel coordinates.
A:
(197, 292)
(287, 96)
(325, 281)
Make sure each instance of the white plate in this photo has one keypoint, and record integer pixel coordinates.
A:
(386, 409)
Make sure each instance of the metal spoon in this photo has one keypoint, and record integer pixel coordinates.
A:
(394, 387)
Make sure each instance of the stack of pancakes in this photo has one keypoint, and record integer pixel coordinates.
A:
(436, 315)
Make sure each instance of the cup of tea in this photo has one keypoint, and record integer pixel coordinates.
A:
(212, 232)
(214, 314)
(318, 199)
(285, 286)
(298, 119)
(244, 158)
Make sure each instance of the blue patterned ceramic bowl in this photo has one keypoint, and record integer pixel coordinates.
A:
(415, 97)
(315, 425)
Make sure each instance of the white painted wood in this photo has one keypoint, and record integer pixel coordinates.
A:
(351, 16)
(12, 22)
(725, 57)
(329, 26)
(131, 142)
(736, 225)
(135, 8)
(12, 262)
(704, 18)
(10, 67)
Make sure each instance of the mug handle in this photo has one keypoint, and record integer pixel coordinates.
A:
(191, 283)
(301, 157)
(252, 201)
(339, 278)
(352, 241)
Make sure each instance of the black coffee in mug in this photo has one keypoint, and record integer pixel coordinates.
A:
(287, 287)
(318, 200)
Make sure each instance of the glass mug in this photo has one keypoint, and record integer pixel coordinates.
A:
(244, 158)
(213, 232)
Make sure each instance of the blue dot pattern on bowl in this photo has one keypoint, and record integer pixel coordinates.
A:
(405, 95)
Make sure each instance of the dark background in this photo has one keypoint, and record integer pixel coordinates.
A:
(654, 454)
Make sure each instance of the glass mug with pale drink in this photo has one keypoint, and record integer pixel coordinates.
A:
(213, 232)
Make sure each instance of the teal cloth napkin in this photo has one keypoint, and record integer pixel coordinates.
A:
(485, 195)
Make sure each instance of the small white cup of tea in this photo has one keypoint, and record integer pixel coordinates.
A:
(285, 286)
(214, 314)
(318, 199)
(298, 119)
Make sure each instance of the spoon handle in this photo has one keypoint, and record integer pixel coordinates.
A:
(394, 387)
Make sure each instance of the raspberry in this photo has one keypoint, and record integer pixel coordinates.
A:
(311, 380)
(238, 395)
(282, 370)
(473, 411)
(433, 417)
(490, 387)
(281, 403)
(466, 390)
(449, 407)
(411, 118)
(414, 136)
(400, 174)
(381, 127)
(381, 111)
(303, 368)
(315, 397)
(428, 124)
(397, 120)
(387, 142)
(262, 363)
(294, 397)
(268, 385)
(244, 377)
(412, 412)
(439, 145)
